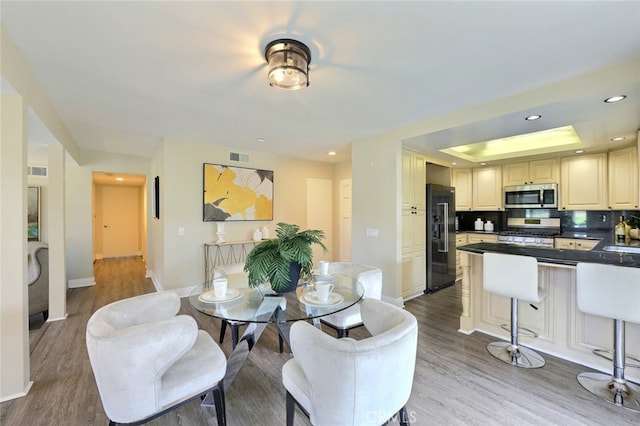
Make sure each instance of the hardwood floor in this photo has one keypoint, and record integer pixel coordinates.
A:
(457, 382)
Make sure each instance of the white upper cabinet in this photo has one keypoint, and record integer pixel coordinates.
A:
(461, 179)
(623, 179)
(413, 181)
(583, 182)
(487, 188)
(538, 171)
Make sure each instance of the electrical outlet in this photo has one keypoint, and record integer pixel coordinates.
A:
(180, 231)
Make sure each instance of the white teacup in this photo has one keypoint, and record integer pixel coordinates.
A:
(323, 290)
(220, 287)
(323, 267)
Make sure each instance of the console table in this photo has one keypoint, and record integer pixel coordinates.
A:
(214, 254)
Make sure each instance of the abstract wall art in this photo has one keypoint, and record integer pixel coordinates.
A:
(236, 193)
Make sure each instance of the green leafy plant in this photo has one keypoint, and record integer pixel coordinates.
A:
(271, 260)
(633, 221)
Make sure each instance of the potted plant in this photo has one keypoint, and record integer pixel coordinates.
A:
(280, 261)
(634, 224)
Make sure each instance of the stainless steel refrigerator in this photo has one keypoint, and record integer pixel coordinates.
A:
(441, 237)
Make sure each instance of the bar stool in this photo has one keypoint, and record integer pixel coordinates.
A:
(612, 292)
(515, 277)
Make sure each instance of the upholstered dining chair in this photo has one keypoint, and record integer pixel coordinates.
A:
(371, 278)
(353, 382)
(147, 360)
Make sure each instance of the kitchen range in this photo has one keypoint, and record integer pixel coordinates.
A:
(538, 232)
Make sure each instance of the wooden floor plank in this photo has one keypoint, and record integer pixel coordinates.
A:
(457, 382)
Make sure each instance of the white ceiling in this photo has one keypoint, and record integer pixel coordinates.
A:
(125, 75)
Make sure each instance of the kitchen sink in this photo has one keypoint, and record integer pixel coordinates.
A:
(622, 249)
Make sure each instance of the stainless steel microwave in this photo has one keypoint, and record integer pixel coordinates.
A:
(535, 196)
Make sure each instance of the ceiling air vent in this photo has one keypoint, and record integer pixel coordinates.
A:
(36, 171)
(239, 157)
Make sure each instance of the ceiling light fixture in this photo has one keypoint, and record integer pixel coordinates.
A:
(332, 153)
(618, 139)
(288, 64)
(580, 151)
(533, 117)
(615, 99)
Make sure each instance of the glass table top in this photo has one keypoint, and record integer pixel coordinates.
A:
(262, 305)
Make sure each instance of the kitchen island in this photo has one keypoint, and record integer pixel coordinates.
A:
(562, 330)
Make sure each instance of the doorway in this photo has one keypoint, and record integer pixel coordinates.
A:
(119, 215)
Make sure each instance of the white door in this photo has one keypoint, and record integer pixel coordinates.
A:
(121, 220)
(345, 220)
(320, 214)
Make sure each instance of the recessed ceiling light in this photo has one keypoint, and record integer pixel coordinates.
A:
(331, 153)
(454, 163)
(533, 117)
(618, 139)
(483, 164)
(615, 99)
(119, 179)
(261, 140)
(580, 151)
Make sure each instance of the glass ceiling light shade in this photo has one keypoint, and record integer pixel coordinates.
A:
(288, 64)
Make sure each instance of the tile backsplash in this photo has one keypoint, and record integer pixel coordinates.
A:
(570, 221)
(581, 220)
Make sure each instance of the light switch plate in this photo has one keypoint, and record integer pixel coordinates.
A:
(372, 232)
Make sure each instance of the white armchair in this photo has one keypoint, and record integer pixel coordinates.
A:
(148, 361)
(349, 382)
(371, 278)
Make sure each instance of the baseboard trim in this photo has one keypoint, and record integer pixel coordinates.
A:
(81, 282)
(17, 395)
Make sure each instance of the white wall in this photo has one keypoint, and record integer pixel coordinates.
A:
(376, 205)
(178, 261)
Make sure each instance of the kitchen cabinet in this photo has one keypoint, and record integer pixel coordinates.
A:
(481, 238)
(461, 179)
(461, 239)
(413, 180)
(623, 179)
(575, 243)
(487, 188)
(414, 262)
(538, 171)
(583, 182)
(414, 256)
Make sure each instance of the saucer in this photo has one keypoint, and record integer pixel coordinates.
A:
(311, 299)
(210, 297)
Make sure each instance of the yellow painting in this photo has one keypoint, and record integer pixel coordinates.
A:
(237, 193)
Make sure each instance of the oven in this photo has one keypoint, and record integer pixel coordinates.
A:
(537, 232)
(535, 196)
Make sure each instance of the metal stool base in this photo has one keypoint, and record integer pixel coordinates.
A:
(603, 386)
(518, 356)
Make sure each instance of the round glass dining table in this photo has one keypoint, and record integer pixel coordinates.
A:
(260, 306)
(263, 305)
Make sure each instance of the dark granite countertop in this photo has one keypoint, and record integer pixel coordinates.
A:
(559, 256)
